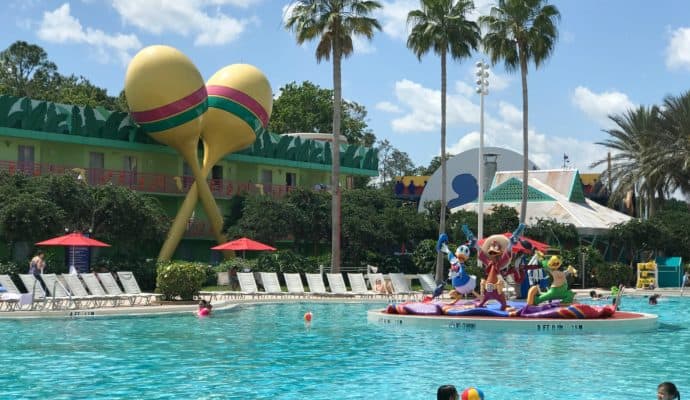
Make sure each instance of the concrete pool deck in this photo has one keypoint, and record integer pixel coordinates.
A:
(226, 304)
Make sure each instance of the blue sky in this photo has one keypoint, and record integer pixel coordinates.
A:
(611, 55)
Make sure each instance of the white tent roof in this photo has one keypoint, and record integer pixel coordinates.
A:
(589, 218)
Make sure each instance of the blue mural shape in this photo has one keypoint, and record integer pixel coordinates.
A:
(466, 188)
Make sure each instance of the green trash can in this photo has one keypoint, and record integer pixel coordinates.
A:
(670, 271)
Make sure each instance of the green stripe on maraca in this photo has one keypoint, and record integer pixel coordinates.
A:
(236, 109)
(175, 120)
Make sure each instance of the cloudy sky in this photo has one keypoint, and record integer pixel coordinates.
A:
(611, 55)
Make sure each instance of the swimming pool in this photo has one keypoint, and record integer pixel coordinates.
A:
(265, 351)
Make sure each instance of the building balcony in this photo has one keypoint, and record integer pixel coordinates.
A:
(160, 184)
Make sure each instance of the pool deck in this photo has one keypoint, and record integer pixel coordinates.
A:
(226, 304)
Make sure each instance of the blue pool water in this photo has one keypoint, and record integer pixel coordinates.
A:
(265, 351)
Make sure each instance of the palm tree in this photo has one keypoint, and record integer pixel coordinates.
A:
(333, 23)
(520, 31)
(442, 26)
(672, 155)
(632, 141)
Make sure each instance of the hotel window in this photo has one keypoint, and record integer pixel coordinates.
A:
(290, 179)
(129, 167)
(96, 165)
(25, 159)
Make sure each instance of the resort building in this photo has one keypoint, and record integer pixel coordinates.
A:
(101, 147)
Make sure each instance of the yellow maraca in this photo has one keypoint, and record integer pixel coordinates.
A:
(167, 97)
(240, 103)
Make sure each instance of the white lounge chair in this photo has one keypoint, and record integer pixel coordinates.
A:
(294, 284)
(112, 288)
(96, 289)
(76, 287)
(359, 285)
(401, 287)
(59, 295)
(337, 285)
(316, 285)
(386, 288)
(248, 284)
(33, 287)
(427, 282)
(271, 284)
(131, 286)
(12, 298)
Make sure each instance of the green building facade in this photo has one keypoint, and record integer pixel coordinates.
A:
(100, 146)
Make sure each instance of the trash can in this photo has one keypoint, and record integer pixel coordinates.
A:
(670, 270)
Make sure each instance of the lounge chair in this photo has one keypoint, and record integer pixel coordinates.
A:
(96, 289)
(76, 287)
(337, 285)
(386, 288)
(401, 286)
(316, 285)
(34, 288)
(294, 284)
(58, 292)
(248, 284)
(112, 288)
(12, 298)
(427, 282)
(271, 284)
(359, 286)
(131, 286)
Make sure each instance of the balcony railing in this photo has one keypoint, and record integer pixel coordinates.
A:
(145, 181)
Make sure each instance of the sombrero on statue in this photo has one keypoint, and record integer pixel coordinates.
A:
(493, 242)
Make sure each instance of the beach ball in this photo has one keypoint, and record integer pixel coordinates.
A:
(472, 393)
(166, 97)
(240, 101)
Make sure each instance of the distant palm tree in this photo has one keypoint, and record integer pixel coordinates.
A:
(672, 155)
(442, 26)
(333, 23)
(520, 31)
(632, 142)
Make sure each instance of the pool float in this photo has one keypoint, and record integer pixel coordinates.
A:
(204, 312)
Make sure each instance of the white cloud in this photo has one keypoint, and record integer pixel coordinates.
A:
(464, 89)
(59, 26)
(598, 106)
(678, 49)
(387, 106)
(393, 17)
(185, 17)
(425, 108)
(510, 113)
(362, 45)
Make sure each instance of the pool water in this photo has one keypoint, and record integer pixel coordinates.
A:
(266, 351)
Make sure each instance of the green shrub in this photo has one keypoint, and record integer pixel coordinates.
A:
(181, 279)
(613, 274)
(593, 261)
(287, 261)
(12, 268)
(424, 256)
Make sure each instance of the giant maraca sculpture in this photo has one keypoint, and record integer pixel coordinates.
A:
(167, 97)
(240, 101)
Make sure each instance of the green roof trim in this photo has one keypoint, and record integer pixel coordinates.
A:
(577, 195)
(41, 120)
(511, 191)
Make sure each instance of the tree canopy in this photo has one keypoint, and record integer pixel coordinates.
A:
(307, 107)
(26, 71)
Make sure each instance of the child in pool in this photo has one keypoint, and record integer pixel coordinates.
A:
(205, 308)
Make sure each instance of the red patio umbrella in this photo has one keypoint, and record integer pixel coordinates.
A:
(518, 246)
(74, 239)
(243, 244)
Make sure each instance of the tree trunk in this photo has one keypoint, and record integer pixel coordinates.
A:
(335, 175)
(442, 222)
(525, 139)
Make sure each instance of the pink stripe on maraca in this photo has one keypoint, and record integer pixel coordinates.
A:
(241, 98)
(171, 109)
